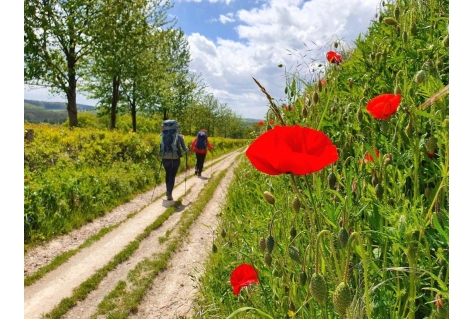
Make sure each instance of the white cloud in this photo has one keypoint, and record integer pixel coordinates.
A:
(229, 17)
(292, 32)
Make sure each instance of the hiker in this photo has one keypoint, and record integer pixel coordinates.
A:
(172, 147)
(200, 146)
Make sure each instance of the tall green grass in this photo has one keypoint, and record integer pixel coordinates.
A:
(380, 227)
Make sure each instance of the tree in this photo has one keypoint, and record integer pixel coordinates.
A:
(57, 35)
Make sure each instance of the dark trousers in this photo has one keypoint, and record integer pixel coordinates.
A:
(171, 168)
(200, 162)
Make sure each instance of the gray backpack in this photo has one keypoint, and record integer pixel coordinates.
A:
(169, 146)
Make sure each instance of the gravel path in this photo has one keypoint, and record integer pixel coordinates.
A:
(171, 295)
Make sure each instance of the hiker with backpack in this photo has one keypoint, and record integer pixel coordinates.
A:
(172, 147)
(200, 145)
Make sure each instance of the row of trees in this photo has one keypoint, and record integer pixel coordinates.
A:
(128, 55)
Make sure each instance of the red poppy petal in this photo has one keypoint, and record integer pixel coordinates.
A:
(383, 106)
(242, 276)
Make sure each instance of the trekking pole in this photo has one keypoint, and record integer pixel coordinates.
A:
(186, 171)
(159, 170)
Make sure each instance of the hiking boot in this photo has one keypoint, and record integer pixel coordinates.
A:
(169, 197)
(199, 173)
(195, 172)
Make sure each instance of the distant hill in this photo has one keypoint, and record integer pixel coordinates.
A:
(49, 112)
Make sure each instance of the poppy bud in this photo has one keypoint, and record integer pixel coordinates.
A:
(398, 89)
(397, 12)
(431, 144)
(318, 288)
(409, 129)
(296, 204)
(214, 248)
(405, 37)
(315, 97)
(336, 45)
(342, 298)
(343, 237)
(390, 21)
(269, 197)
(413, 28)
(374, 181)
(420, 76)
(223, 232)
(280, 65)
(351, 83)
(332, 180)
(320, 86)
(304, 112)
(294, 253)
(380, 18)
(270, 243)
(388, 159)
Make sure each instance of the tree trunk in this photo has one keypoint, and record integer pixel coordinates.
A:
(115, 99)
(133, 110)
(71, 90)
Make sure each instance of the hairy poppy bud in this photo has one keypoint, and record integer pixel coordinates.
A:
(318, 288)
(420, 76)
(214, 248)
(304, 112)
(397, 12)
(294, 253)
(270, 243)
(332, 180)
(303, 278)
(390, 21)
(360, 115)
(268, 259)
(342, 298)
(398, 89)
(293, 232)
(405, 37)
(269, 197)
(315, 97)
(431, 144)
(351, 83)
(379, 191)
(343, 237)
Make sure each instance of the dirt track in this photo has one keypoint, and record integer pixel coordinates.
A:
(172, 291)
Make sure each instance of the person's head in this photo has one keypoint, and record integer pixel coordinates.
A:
(203, 130)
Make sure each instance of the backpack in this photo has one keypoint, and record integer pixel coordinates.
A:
(169, 148)
(201, 143)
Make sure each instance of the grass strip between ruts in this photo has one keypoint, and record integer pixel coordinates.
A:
(81, 292)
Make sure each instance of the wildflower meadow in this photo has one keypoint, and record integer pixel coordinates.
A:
(340, 207)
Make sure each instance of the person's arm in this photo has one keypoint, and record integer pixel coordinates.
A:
(183, 145)
(209, 145)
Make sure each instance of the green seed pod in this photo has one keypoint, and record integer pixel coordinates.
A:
(270, 243)
(397, 12)
(342, 298)
(318, 288)
(390, 21)
(405, 37)
(223, 232)
(214, 248)
(269, 197)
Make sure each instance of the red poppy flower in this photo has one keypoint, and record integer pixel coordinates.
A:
(323, 82)
(291, 149)
(334, 57)
(271, 122)
(288, 108)
(369, 158)
(242, 276)
(384, 106)
(260, 123)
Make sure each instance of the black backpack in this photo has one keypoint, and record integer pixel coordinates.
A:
(169, 146)
(201, 143)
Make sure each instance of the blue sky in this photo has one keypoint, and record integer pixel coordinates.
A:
(232, 41)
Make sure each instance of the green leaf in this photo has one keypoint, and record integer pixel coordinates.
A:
(263, 314)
